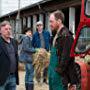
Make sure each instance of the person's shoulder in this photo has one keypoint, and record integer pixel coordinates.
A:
(14, 41)
(46, 31)
(66, 32)
(25, 38)
(35, 34)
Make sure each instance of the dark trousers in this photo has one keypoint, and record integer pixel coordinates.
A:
(29, 86)
(10, 83)
(45, 75)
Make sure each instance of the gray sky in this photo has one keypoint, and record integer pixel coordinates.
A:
(8, 6)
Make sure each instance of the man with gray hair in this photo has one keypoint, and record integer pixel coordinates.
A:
(41, 39)
(8, 58)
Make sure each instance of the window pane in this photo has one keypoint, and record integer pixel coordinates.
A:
(87, 9)
(83, 42)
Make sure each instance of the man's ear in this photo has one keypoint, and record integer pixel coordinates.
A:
(59, 21)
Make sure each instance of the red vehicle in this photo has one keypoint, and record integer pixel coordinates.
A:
(81, 44)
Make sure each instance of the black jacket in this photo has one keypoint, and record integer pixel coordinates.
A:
(5, 61)
(66, 65)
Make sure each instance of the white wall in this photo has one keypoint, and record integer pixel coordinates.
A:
(8, 6)
(72, 19)
(0, 8)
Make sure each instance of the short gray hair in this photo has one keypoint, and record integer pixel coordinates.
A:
(4, 23)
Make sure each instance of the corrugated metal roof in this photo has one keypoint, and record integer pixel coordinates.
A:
(27, 7)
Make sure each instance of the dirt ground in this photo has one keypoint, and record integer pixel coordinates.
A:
(37, 86)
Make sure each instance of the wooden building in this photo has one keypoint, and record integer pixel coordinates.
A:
(40, 11)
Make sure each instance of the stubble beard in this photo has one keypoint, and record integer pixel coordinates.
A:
(54, 31)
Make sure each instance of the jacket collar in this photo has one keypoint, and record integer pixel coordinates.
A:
(2, 44)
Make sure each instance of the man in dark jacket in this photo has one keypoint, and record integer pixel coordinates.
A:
(8, 58)
(62, 40)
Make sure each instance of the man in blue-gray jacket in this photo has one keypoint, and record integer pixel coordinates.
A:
(26, 57)
(41, 39)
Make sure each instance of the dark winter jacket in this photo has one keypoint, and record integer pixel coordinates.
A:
(66, 65)
(5, 61)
